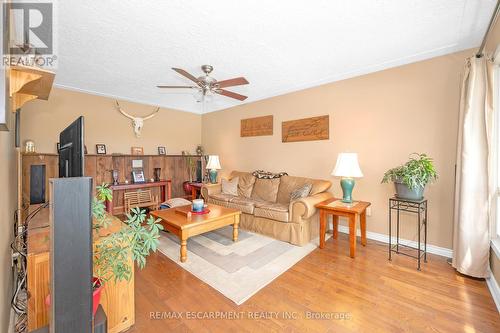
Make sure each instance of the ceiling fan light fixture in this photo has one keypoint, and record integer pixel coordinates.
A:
(198, 95)
(207, 86)
(209, 96)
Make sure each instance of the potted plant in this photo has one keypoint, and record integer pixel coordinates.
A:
(411, 178)
(191, 169)
(111, 253)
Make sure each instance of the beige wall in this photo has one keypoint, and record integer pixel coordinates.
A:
(8, 200)
(42, 121)
(383, 117)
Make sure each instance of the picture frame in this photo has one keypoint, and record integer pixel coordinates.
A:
(137, 151)
(138, 176)
(100, 149)
(162, 151)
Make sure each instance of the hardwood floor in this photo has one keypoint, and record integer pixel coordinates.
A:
(377, 296)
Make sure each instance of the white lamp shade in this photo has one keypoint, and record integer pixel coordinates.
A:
(347, 166)
(213, 162)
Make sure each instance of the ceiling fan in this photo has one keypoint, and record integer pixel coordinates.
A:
(207, 85)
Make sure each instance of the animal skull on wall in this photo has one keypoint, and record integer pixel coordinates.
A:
(137, 122)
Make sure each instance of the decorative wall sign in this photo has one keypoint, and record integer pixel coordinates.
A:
(257, 126)
(307, 129)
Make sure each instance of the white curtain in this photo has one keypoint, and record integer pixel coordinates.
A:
(474, 191)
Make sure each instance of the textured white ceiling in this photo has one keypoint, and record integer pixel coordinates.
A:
(125, 48)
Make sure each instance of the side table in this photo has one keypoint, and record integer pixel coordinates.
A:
(336, 208)
(195, 189)
(418, 207)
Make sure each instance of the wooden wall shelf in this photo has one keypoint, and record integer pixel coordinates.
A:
(29, 83)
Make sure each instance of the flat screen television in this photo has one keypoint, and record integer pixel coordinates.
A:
(71, 150)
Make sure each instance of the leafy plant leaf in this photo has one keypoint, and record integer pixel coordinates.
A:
(416, 173)
(111, 254)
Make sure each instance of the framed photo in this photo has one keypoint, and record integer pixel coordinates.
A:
(137, 151)
(100, 149)
(138, 176)
(162, 151)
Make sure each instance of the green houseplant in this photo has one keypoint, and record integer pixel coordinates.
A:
(191, 165)
(111, 253)
(411, 178)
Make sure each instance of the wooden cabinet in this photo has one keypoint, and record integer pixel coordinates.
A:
(38, 289)
(117, 299)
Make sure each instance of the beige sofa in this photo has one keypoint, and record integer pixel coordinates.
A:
(266, 207)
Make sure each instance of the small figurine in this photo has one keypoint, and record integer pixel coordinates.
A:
(115, 177)
(199, 150)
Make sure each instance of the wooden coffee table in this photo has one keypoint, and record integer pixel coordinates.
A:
(185, 225)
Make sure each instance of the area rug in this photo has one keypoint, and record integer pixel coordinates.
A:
(239, 269)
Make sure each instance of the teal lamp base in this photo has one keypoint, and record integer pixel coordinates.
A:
(212, 174)
(347, 185)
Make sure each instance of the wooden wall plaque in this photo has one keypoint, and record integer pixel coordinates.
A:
(308, 129)
(257, 126)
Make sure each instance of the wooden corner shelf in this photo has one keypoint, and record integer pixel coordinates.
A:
(29, 83)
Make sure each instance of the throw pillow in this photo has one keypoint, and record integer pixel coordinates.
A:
(301, 192)
(230, 186)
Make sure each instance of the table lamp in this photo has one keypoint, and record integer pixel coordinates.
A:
(347, 168)
(213, 165)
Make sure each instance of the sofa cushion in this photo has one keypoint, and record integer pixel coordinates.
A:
(244, 204)
(266, 189)
(230, 186)
(245, 183)
(245, 201)
(222, 197)
(273, 211)
(289, 183)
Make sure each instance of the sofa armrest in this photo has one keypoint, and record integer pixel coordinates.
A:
(209, 189)
(303, 209)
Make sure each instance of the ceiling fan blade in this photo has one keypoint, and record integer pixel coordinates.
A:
(237, 81)
(191, 87)
(230, 94)
(186, 74)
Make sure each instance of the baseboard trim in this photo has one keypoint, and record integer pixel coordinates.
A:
(494, 290)
(440, 251)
